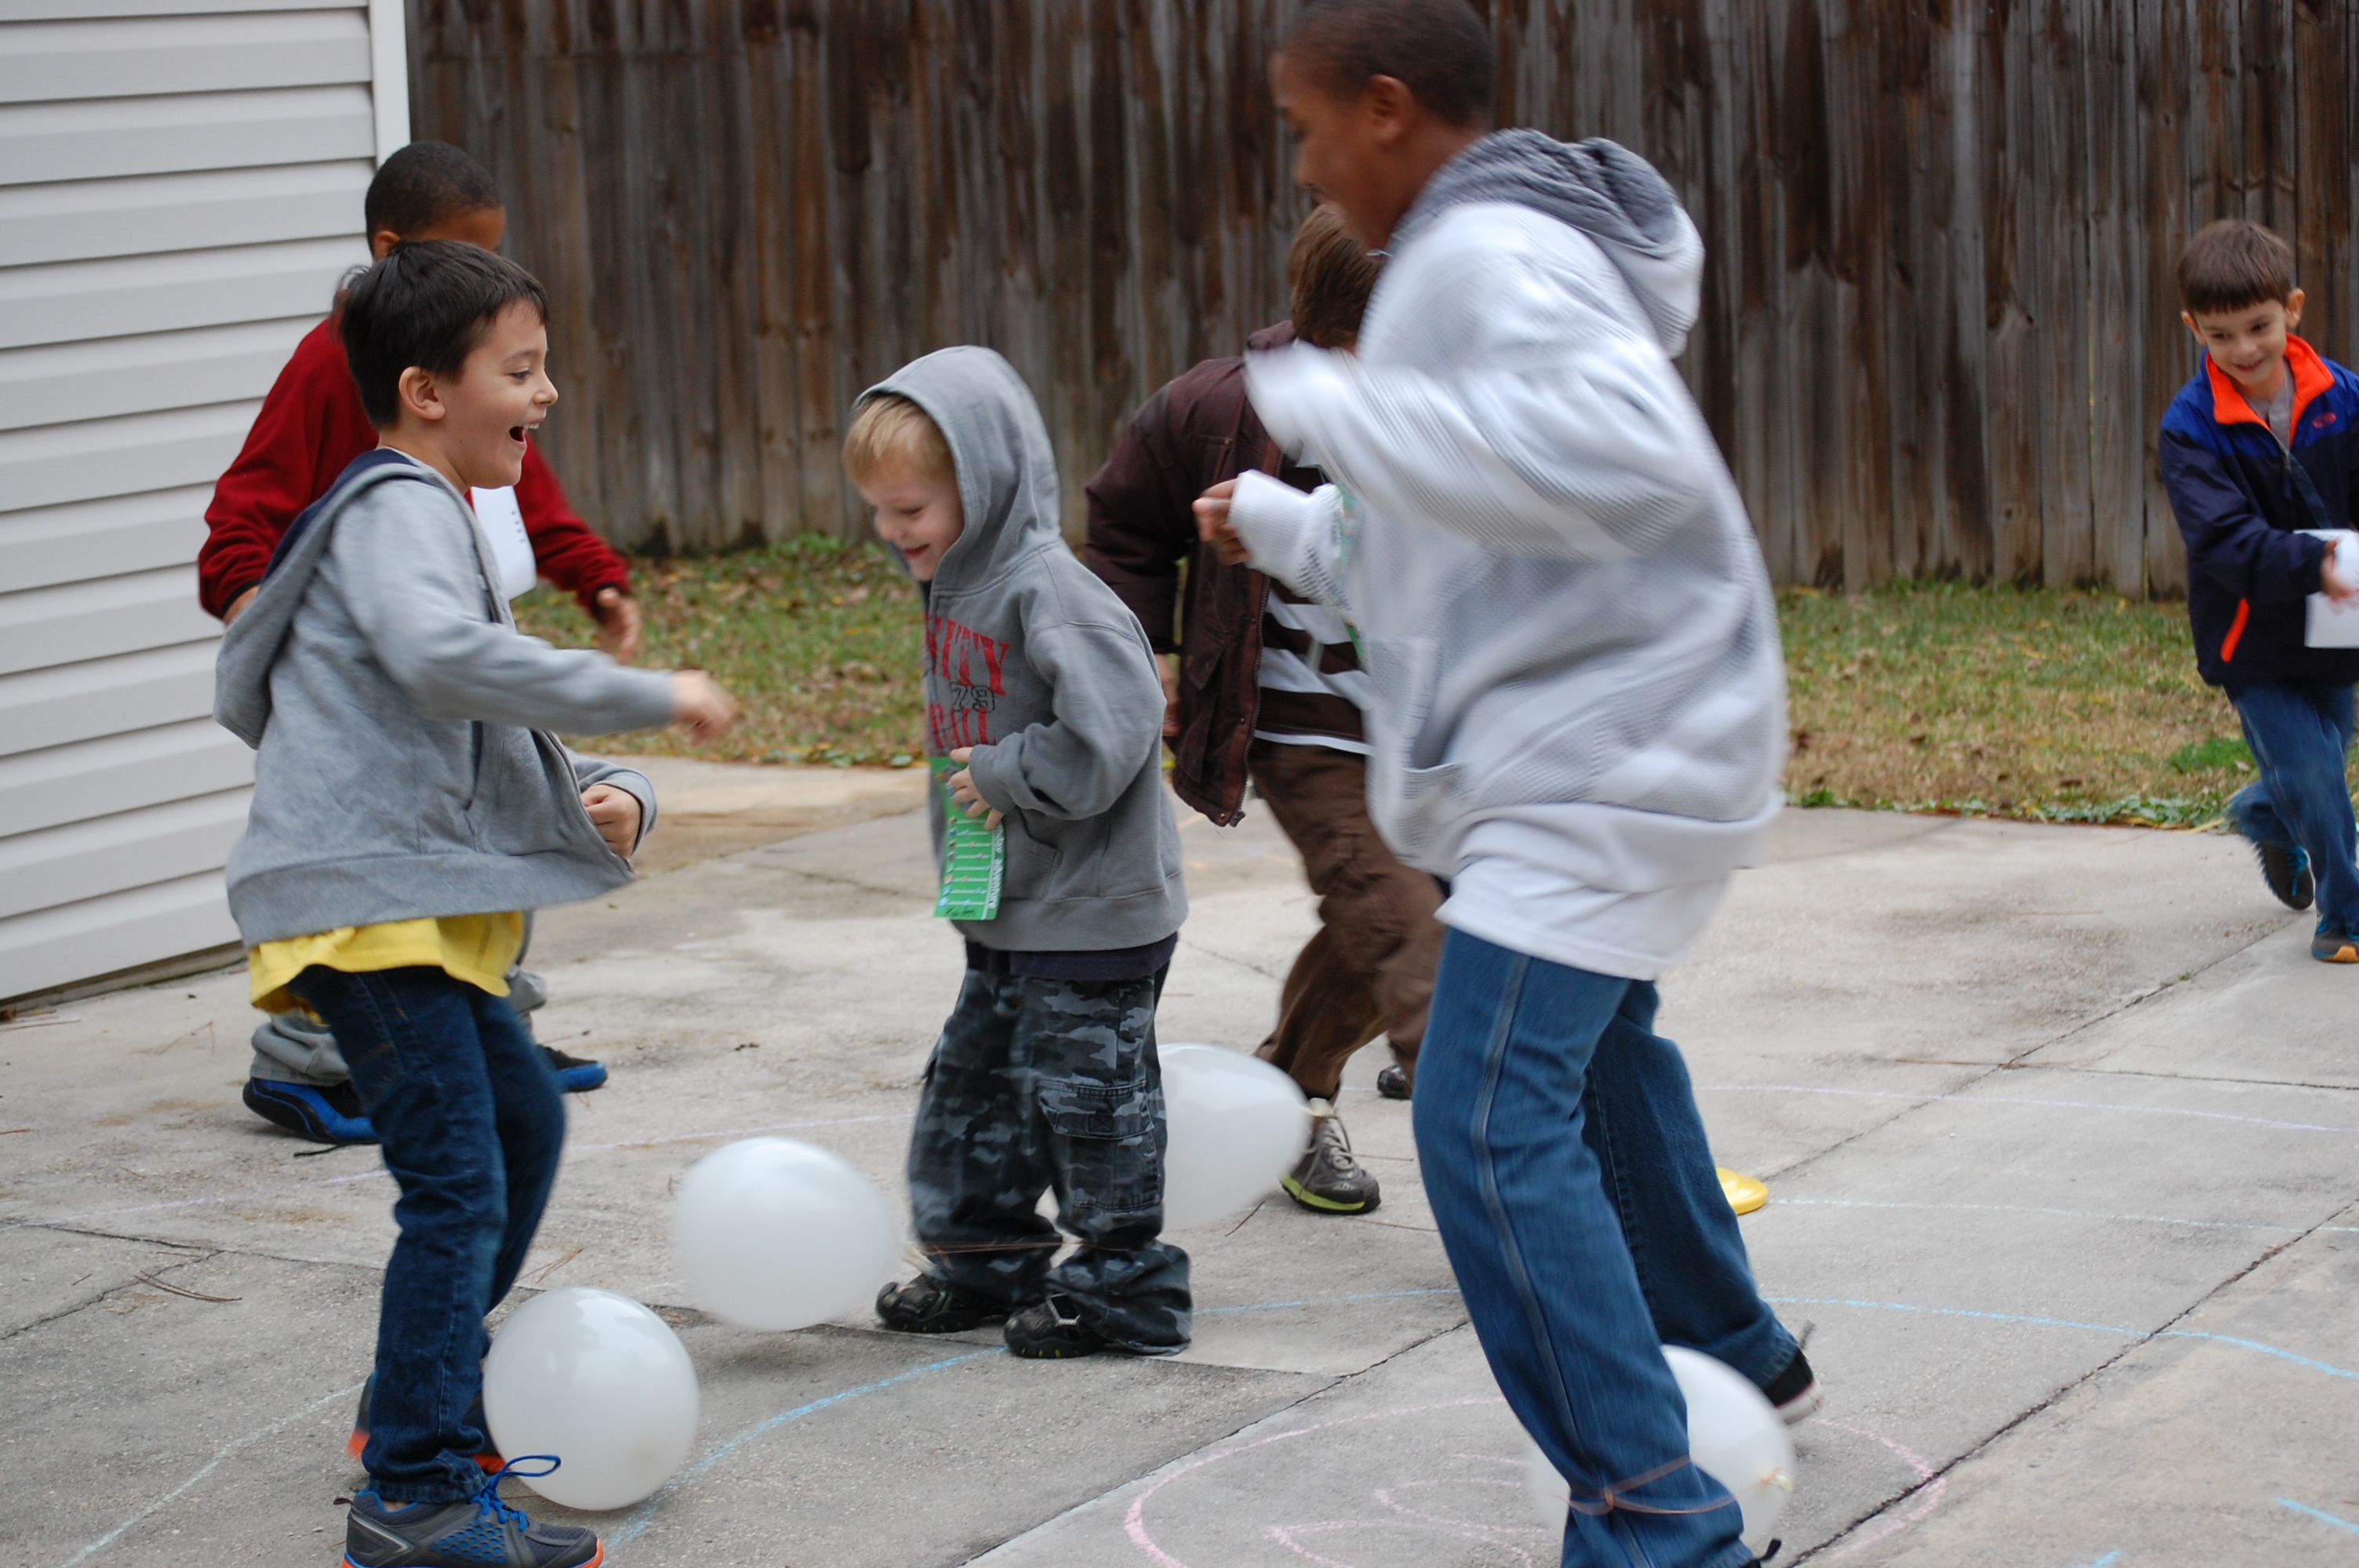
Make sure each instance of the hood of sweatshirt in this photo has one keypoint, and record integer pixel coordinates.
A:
(1602, 189)
(1006, 469)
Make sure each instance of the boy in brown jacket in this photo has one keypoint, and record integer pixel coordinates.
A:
(1269, 686)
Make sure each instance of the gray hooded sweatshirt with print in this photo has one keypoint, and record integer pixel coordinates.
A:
(1038, 666)
(403, 771)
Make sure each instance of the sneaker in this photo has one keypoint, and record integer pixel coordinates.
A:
(1329, 1180)
(1053, 1330)
(329, 1115)
(479, 1533)
(1392, 1083)
(928, 1305)
(488, 1460)
(2333, 945)
(2285, 868)
(1795, 1391)
(578, 1075)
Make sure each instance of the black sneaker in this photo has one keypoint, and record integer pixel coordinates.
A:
(487, 1460)
(2285, 868)
(1053, 1330)
(2333, 945)
(480, 1532)
(928, 1305)
(579, 1075)
(1795, 1391)
(332, 1114)
(1392, 1083)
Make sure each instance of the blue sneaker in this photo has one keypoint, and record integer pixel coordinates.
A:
(480, 1532)
(330, 1115)
(577, 1074)
(2333, 945)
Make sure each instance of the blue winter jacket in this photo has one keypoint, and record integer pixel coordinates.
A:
(2241, 508)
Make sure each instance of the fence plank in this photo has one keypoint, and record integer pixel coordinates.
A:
(1938, 318)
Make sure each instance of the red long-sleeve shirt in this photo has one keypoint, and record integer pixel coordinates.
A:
(310, 426)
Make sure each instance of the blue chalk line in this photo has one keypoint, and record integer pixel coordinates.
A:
(643, 1516)
(2329, 1519)
(2110, 1557)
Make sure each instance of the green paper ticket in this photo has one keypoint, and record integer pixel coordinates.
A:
(975, 858)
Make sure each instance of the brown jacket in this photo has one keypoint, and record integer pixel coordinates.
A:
(1197, 430)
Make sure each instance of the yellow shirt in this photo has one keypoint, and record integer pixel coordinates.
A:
(477, 948)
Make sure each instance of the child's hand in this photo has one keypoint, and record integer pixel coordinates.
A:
(963, 796)
(700, 707)
(615, 813)
(2340, 575)
(618, 614)
(1212, 524)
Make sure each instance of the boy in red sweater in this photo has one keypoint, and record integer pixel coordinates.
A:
(311, 425)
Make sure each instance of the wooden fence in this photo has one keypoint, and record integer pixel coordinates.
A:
(1939, 323)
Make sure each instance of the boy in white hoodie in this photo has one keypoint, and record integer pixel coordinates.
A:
(1578, 721)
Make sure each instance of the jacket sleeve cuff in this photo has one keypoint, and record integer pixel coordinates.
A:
(1288, 535)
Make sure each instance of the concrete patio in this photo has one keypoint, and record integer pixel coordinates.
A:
(2059, 1125)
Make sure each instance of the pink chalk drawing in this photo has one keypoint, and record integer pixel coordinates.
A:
(1929, 1490)
(1135, 1519)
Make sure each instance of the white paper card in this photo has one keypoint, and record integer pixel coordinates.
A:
(501, 520)
(2332, 625)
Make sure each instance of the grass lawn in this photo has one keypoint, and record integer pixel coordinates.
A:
(2006, 702)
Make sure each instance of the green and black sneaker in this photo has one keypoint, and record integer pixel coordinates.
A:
(1330, 1179)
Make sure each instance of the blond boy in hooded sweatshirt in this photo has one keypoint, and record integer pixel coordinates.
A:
(1041, 686)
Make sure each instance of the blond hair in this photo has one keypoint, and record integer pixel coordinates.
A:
(890, 432)
(1330, 277)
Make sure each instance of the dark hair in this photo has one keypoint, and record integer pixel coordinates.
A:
(1440, 49)
(424, 183)
(2232, 264)
(425, 303)
(1330, 277)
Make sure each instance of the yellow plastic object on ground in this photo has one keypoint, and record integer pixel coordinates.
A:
(1744, 1193)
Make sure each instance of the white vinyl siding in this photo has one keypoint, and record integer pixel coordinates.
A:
(180, 185)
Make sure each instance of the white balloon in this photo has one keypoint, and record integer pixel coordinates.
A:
(601, 1382)
(1237, 1124)
(1735, 1435)
(777, 1233)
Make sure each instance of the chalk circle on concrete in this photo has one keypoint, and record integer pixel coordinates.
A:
(777, 1233)
(1234, 1126)
(598, 1382)
(1733, 1435)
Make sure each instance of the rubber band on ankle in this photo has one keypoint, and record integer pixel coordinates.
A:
(1611, 1497)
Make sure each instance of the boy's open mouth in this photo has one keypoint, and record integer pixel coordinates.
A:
(516, 434)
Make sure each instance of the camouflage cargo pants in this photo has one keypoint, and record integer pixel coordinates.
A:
(1039, 1086)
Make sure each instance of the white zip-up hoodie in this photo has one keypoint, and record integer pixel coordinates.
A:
(1578, 698)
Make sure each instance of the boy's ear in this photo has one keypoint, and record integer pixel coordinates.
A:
(2293, 302)
(416, 393)
(2189, 317)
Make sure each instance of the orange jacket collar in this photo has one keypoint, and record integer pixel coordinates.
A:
(2310, 377)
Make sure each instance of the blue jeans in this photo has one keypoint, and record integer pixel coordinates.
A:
(2299, 734)
(471, 1121)
(1579, 1202)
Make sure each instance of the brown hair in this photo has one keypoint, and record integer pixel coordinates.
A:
(891, 432)
(2233, 264)
(1330, 277)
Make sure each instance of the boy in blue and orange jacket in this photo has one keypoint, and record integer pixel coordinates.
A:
(2261, 447)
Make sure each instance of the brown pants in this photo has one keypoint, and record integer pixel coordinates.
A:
(1369, 968)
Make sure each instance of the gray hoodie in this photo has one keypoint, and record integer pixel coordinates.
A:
(398, 713)
(1034, 663)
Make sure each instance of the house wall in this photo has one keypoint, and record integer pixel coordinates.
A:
(181, 188)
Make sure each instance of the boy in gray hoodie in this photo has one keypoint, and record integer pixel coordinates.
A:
(1042, 688)
(408, 809)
